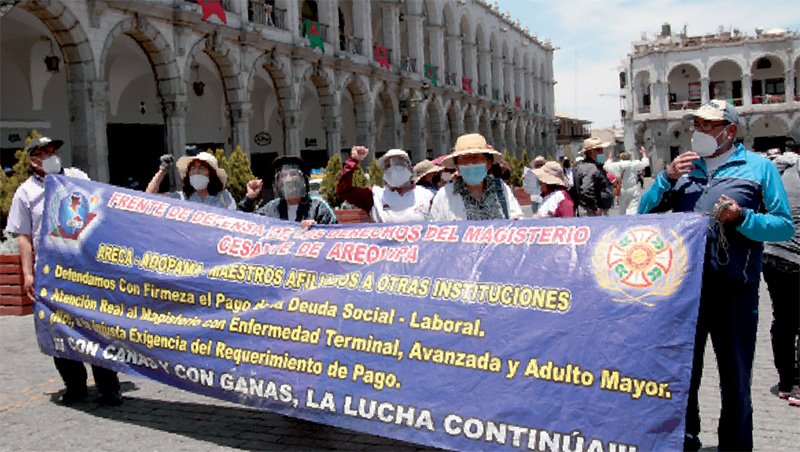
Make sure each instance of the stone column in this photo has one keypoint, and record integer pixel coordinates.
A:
(290, 114)
(485, 77)
(747, 90)
(88, 139)
(454, 52)
(366, 135)
(789, 84)
(292, 15)
(362, 26)
(332, 120)
(240, 126)
(174, 109)
(659, 98)
(391, 31)
(418, 138)
(499, 135)
(416, 40)
(436, 35)
(497, 76)
(469, 64)
(508, 81)
(704, 95)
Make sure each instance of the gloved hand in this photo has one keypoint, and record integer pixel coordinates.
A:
(166, 161)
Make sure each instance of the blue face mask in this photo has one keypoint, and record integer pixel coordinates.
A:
(473, 174)
(601, 159)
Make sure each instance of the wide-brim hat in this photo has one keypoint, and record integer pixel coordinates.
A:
(424, 168)
(473, 143)
(42, 142)
(184, 162)
(594, 143)
(394, 153)
(551, 173)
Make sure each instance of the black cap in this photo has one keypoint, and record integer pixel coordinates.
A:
(290, 160)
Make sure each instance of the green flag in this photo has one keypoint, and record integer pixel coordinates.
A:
(314, 37)
(430, 74)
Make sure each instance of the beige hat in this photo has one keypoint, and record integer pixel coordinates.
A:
(537, 162)
(394, 153)
(473, 143)
(424, 168)
(718, 110)
(186, 160)
(594, 143)
(552, 174)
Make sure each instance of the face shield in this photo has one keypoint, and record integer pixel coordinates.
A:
(290, 182)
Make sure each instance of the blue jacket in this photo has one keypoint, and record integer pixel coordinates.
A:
(754, 183)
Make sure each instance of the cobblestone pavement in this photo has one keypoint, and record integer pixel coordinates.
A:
(158, 417)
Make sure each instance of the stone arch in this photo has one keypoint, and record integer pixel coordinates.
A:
(465, 28)
(276, 68)
(455, 116)
(227, 62)
(357, 86)
(771, 55)
(676, 64)
(157, 49)
(388, 122)
(519, 128)
(735, 59)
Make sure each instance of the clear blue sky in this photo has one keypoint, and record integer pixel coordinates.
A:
(595, 36)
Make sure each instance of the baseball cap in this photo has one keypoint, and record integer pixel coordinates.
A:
(718, 110)
(42, 142)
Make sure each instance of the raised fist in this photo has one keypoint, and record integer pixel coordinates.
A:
(358, 153)
(166, 161)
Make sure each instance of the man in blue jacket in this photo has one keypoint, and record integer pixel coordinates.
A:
(743, 194)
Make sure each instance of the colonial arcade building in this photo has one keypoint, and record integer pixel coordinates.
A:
(125, 81)
(672, 74)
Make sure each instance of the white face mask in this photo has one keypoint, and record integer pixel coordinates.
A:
(198, 181)
(396, 176)
(704, 144)
(52, 164)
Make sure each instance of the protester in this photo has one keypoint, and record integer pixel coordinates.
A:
(627, 171)
(293, 202)
(782, 275)
(429, 175)
(400, 201)
(25, 221)
(501, 170)
(595, 190)
(556, 201)
(747, 204)
(530, 184)
(203, 180)
(568, 172)
(474, 194)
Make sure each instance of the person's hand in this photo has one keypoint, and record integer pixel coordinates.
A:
(254, 188)
(27, 285)
(166, 161)
(682, 165)
(358, 153)
(306, 224)
(729, 209)
(643, 151)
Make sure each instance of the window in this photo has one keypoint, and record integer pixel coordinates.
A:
(622, 79)
(717, 90)
(694, 91)
(763, 63)
(774, 86)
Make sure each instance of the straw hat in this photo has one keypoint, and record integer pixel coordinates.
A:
(186, 160)
(594, 143)
(473, 143)
(552, 174)
(424, 168)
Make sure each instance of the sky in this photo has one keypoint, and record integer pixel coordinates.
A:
(594, 37)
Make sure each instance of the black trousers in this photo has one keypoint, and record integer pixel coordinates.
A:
(74, 375)
(784, 290)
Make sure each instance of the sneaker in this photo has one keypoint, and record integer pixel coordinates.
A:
(113, 399)
(72, 396)
(691, 442)
(794, 396)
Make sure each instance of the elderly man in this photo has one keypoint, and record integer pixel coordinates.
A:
(747, 203)
(627, 171)
(474, 194)
(25, 221)
(595, 191)
(293, 202)
(400, 201)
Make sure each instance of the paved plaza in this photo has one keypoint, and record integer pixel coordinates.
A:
(158, 417)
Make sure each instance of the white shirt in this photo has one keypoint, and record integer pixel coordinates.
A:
(25, 215)
(448, 205)
(628, 170)
(390, 206)
(550, 204)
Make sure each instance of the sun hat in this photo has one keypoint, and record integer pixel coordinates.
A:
(473, 143)
(42, 142)
(718, 110)
(551, 173)
(184, 162)
(424, 168)
(394, 153)
(594, 143)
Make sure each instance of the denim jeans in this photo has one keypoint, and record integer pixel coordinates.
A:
(729, 314)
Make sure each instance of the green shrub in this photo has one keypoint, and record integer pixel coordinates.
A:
(237, 165)
(22, 171)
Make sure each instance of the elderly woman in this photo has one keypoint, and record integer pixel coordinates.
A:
(556, 201)
(203, 180)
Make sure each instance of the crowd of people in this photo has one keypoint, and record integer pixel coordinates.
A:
(743, 194)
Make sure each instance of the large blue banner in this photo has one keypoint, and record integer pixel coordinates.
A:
(544, 335)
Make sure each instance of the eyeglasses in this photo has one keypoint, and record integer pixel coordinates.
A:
(44, 152)
(707, 126)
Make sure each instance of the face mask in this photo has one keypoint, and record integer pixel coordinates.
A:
(704, 144)
(293, 188)
(473, 174)
(601, 159)
(446, 176)
(396, 176)
(51, 165)
(198, 181)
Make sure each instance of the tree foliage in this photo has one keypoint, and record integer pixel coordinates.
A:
(375, 173)
(332, 173)
(21, 172)
(237, 165)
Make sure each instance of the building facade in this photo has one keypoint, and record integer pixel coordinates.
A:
(125, 81)
(669, 76)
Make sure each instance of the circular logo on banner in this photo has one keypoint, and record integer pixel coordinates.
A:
(639, 263)
(263, 139)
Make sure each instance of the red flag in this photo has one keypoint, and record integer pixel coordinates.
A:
(213, 8)
(381, 56)
(466, 85)
(517, 102)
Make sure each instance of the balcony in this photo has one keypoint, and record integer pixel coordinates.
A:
(769, 99)
(351, 44)
(410, 64)
(644, 109)
(450, 78)
(496, 94)
(681, 105)
(482, 89)
(264, 14)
